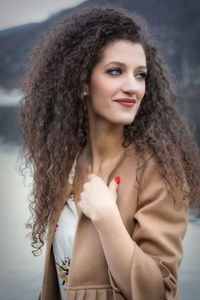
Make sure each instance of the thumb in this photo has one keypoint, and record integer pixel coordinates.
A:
(114, 185)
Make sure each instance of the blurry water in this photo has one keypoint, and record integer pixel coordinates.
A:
(21, 272)
(9, 97)
(189, 274)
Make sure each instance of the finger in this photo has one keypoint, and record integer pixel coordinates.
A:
(113, 186)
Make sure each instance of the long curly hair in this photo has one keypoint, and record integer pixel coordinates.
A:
(54, 120)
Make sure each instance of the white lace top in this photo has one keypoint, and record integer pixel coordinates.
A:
(64, 237)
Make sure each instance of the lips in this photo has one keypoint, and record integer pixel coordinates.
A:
(127, 100)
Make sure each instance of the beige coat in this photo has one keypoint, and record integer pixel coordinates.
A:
(156, 228)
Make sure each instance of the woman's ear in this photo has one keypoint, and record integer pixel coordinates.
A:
(85, 90)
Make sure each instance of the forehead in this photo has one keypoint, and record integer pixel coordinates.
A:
(123, 50)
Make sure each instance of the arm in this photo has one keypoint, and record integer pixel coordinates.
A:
(118, 248)
(146, 265)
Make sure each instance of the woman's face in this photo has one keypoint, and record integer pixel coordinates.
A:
(119, 75)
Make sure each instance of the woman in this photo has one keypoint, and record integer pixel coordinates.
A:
(115, 165)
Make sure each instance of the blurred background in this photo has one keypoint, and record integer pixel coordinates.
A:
(175, 25)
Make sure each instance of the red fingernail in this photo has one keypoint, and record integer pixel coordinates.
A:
(117, 180)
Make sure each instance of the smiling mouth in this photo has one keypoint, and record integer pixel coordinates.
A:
(129, 104)
(126, 100)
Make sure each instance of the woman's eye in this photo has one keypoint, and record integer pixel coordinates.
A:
(117, 71)
(141, 75)
(114, 71)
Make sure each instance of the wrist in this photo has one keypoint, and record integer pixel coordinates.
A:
(104, 217)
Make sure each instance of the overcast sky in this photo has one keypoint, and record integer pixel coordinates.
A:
(18, 12)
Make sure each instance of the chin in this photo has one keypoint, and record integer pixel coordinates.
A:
(123, 121)
(128, 123)
(126, 119)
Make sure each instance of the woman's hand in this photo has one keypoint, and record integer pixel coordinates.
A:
(98, 200)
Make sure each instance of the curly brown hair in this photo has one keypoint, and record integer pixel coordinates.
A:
(54, 119)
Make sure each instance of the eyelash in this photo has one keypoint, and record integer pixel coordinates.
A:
(142, 74)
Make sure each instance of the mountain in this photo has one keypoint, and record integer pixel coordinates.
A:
(175, 25)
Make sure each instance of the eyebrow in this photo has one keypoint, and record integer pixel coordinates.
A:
(122, 64)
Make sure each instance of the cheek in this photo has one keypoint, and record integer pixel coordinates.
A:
(103, 87)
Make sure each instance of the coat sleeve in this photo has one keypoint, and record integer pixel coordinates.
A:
(157, 237)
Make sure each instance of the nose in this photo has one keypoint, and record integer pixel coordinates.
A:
(130, 85)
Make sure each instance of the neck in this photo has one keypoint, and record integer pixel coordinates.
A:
(104, 145)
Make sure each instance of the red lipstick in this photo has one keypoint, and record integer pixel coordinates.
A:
(126, 101)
